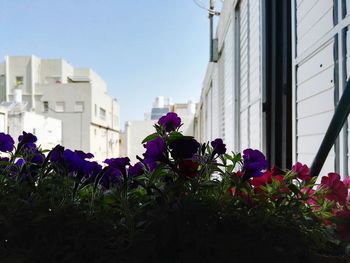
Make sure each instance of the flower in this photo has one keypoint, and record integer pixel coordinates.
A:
(311, 196)
(118, 163)
(218, 146)
(302, 171)
(56, 153)
(136, 170)
(72, 160)
(112, 176)
(84, 155)
(38, 157)
(346, 182)
(254, 163)
(155, 149)
(6, 142)
(183, 148)
(27, 140)
(266, 179)
(188, 168)
(170, 122)
(336, 190)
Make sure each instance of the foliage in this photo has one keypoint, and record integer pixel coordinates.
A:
(182, 202)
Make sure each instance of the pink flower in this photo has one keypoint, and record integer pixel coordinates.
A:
(311, 193)
(336, 190)
(302, 170)
(346, 182)
(266, 179)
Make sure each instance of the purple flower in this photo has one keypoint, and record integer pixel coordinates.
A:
(20, 162)
(136, 170)
(118, 163)
(38, 157)
(184, 148)
(27, 138)
(218, 147)
(112, 176)
(254, 163)
(155, 150)
(72, 160)
(56, 153)
(6, 142)
(170, 122)
(84, 155)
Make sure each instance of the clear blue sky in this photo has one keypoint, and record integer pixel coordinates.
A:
(141, 48)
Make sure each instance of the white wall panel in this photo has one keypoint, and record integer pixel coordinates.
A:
(314, 25)
(250, 75)
(228, 83)
(208, 114)
(314, 65)
(318, 83)
(314, 79)
(316, 124)
(215, 101)
(244, 75)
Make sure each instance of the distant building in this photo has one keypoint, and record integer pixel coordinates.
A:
(48, 130)
(137, 130)
(76, 96)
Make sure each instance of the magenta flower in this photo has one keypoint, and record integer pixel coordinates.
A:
(254, 163)
(170, 122)
(346, 182)
(336, 190)
(302, 171)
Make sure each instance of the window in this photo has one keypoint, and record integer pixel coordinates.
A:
(60, 105)
(19, 80)
(102, 114)
(46, 106)
(79, 106)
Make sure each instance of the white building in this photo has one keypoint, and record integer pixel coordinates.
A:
(78, 97)
(48, 130)
(137, 130)
(282, 68)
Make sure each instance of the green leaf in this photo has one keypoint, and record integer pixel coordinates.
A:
(150, 137)
(294, 189)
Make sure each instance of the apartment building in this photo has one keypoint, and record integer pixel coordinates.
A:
(281, 69)
(76, 96)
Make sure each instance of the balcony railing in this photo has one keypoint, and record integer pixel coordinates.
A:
(340, 115)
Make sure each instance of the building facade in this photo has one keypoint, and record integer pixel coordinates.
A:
(76, 96)
(281, 69)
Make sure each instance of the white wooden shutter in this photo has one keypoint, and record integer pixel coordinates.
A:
(228, 83)
(314, 70)
(250, 75)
